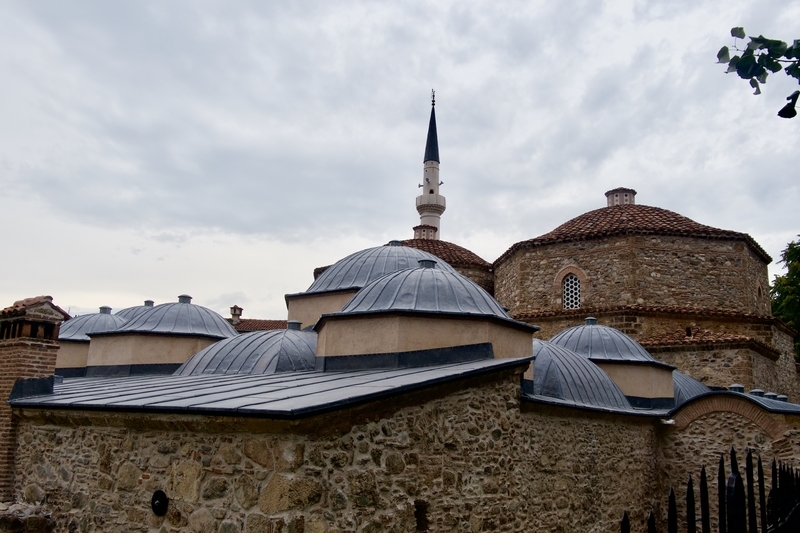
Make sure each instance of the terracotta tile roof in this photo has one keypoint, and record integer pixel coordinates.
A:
(257, 324)
(632, 219)
(703, 337)
(20, 307)
(452, 253)
(655, 310)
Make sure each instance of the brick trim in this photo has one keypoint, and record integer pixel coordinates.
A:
(730, 404)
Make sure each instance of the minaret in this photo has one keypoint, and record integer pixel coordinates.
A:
(430, 204)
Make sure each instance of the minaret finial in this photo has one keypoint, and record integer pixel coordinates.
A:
(433, 98)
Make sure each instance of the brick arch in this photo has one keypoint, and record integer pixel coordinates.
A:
(728, 403)
(570, 269)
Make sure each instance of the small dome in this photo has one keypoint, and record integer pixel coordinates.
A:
(602, 343)
(181, 318)
(129, 313)
(257, 352)
(428, 290)
(357, 270)
(563, 374)
(686, 387)
(75, 329)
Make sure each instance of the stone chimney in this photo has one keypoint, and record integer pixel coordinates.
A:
(236, 314)
(620, 196)
(28, 347)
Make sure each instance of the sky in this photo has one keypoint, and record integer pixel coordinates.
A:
(225, 149)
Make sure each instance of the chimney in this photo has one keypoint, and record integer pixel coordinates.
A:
(293, 325)
(236, 314)
(427, 263)
(184, 299)
(620, 196)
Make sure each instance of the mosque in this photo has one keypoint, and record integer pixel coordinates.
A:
(413, 387)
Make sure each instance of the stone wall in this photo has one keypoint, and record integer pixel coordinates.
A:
(637, 270)
(469, 459)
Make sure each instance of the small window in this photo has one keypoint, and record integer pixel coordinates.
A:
(430, 192)
(421, 515)
(572, 292)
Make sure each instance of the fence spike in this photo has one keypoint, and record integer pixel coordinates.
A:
(705, 518)
(672, 513)
(762, 500)
(721, 489)
(651, 523)
(734, 462)
(751, 493)
(737, 507)
(625, 525)
(691, 518)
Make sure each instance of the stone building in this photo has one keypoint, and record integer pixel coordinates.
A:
(408, 393)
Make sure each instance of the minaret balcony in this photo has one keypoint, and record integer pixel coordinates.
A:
(431, 202)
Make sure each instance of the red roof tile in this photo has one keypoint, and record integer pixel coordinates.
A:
(454, 254)
(255, 324)
(632, 219)
(705, 337)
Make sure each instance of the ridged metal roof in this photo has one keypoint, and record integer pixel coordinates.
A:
(180, 318)
(258, 352)
(563, 374)
(287, 395)
(129, 313)
(425, 290)
(358, 269)
(76, 328)
(686, 387)
(602, 343)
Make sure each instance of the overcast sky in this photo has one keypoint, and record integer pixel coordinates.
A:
(225, 149)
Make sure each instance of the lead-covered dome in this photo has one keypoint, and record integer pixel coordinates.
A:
(76, 329)
(602, 343)
(257, 352)
(686, 388)
(358, 269)
(425, 290)
(129, 313)
(180, 318)
(562, 374)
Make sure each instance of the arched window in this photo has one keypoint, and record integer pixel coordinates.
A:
(571, 287)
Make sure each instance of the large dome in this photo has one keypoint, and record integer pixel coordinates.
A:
(257, 352)
(181, 318)
(563, 374)
(76, 328)
(632, 219)
(428, 290)
(129, 313)
(602, 343)
(358, 269)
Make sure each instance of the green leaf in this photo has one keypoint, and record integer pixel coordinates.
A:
(732, 64)
(754, 84)
(793, 70)
(774, 66)
(723, 56)
(756, 43)
(746, 67)
(777, 48)
(738, 32)
(762, 78)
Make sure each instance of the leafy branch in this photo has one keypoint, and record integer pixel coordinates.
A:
(760, 57)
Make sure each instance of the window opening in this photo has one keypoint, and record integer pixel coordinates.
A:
(421, 515)
(572, 292)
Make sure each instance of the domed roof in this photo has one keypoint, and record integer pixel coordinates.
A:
(602, 343)
(257, 352)
(563, 374)
(454, 254)
(181, 318)
(632, 219)
(686, 387)
(75, 329)
(129, 313)
(427, 290)
(358, 269)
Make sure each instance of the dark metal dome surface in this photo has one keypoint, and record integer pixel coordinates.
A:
(427, 290)
(129, 313)
(358, 269)
(75, 329)
(181, 318)
(561, 373)
(257, 352)
(602, 343)
(686, 387)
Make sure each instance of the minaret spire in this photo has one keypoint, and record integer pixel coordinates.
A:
(430, 204)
